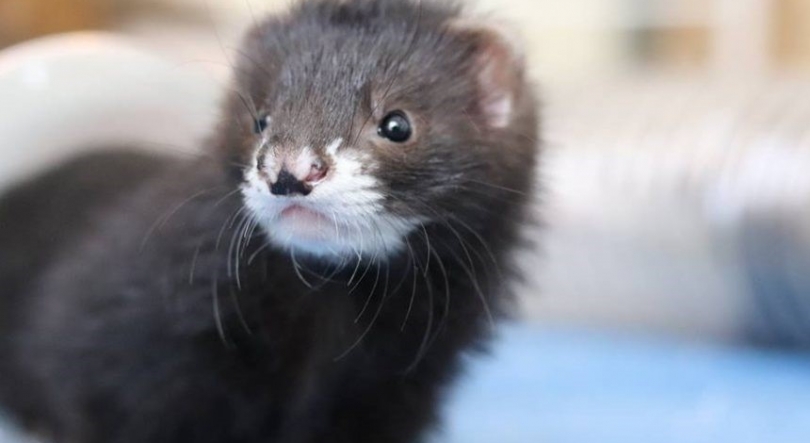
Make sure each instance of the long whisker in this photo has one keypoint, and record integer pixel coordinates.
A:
(258, 252)
(297, 269)
(228, 222)
(420, 353)
(373, 319)
(163, 219)
(193, 264)
(217, 314)
(239, 314)
(415, 271)
(371, 294)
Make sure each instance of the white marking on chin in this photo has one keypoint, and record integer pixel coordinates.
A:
(353, 219)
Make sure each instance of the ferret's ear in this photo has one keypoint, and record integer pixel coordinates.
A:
(499, 66)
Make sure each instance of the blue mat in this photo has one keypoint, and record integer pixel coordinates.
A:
(558, 387)
(543, 386)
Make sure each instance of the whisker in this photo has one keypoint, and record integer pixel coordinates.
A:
(226, 197)
(193, 264)
(415, 270)
(228, 221)
(498, 187)
(163, 219)
(371, 294)
(217, 314)
(258, 252)
(239, 314)
(296, 268)
(420, 353)
(373, 319)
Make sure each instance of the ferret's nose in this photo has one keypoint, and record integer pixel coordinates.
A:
(288, 184)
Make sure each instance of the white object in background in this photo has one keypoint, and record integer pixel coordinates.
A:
(742, 42)
(676, 206)
(70, 93)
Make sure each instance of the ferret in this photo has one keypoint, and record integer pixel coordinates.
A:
(317, 274)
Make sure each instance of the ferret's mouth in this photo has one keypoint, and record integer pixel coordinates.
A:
(341, 218)
(306, 222)
(330, 230)
(300, 213)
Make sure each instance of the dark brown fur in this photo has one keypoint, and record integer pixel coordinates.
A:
(138, 307)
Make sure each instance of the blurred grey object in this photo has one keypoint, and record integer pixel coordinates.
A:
(679, 207)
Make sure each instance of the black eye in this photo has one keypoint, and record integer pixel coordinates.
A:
(260, 124)
(396, 127)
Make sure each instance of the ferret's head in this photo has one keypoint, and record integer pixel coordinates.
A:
(358, 123)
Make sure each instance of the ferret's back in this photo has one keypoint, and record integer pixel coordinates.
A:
(39, 218)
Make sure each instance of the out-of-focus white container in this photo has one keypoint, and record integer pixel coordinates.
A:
(64, 94)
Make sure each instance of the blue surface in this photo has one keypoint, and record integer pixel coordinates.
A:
(556, 387)
(542, 386)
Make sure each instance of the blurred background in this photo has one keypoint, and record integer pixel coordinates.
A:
(675, 193)
(677, 172)
(572, 40)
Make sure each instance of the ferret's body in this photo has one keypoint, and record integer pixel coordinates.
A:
(135, 330)
(143, 302)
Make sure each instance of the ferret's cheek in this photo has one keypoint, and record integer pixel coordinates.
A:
(351, 169)
(255, 191)
(256, 202)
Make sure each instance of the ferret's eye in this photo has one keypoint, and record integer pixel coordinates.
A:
(260, 124)
(396, 127)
